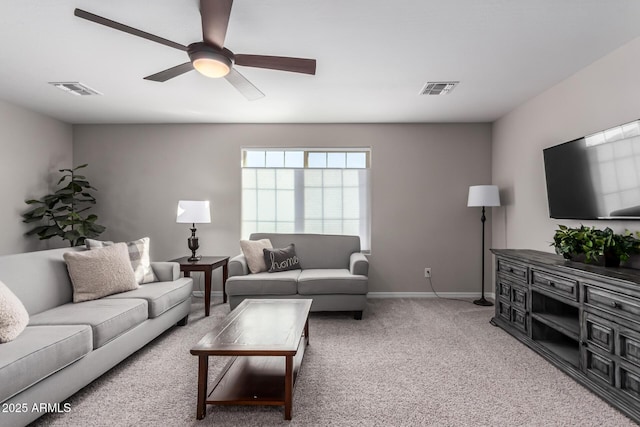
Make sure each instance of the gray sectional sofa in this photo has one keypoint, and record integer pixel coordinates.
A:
(67, 345)
(334, 273)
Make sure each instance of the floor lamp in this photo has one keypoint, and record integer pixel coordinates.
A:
(483, 196)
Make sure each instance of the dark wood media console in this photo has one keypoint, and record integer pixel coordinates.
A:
(582, 318)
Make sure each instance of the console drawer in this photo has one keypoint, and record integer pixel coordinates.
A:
(515, 271)
(559, 285)
(612, 302)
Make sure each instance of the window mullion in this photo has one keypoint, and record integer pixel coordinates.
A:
(298, 191)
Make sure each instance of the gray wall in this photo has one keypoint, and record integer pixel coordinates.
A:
(420, 179)
(33, 147)
(604, 94)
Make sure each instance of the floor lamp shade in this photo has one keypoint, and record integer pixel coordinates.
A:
(483, 196)
(193, 212)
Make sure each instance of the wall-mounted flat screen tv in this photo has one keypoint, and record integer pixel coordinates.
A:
(597, 176)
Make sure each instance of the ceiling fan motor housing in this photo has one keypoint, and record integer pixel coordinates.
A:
(209, 60)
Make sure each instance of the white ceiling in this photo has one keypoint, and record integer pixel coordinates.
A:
(373, 57)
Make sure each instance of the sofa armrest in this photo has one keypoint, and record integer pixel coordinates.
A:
(359, 264)
(238, 266)
(166, 271)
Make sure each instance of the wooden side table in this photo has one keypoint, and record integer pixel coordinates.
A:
(206, 264)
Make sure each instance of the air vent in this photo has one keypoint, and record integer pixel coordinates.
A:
(75, 88)
(438, 88)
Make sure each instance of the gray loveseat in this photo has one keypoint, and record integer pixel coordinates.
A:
(66, 346)
(334, 273)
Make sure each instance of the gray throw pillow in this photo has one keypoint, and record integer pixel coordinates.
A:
(281, 259)
(96, 274)
(138, 255)
(13, 315)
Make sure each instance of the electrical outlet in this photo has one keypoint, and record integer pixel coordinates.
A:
(427, 272)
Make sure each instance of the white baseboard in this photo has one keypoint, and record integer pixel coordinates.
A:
(469, 295)
(200, 294)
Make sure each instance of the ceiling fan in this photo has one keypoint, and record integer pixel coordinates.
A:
(209, 56)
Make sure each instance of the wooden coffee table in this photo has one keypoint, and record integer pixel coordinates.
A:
(267, 339)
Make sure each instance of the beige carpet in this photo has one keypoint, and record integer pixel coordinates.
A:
(409, 362)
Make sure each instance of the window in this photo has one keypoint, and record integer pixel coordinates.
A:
(306, 191)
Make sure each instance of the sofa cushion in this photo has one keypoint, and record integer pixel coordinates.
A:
(95, 274)
(253, 253)
(282, 283)
(281, 259)
(108, 318)
(26, 273)
(138, 256)
(331, 281)
(316, 250)
(13, 315)
(160, 296)
(39, 352)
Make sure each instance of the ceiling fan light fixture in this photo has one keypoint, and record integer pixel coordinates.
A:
(212, 67)
(209, 62)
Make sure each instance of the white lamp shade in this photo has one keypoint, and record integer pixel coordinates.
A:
(483, 195)
(193, 212)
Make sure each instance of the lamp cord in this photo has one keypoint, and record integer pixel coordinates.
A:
(450, 299)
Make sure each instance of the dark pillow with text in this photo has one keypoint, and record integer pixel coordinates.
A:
(281, 259)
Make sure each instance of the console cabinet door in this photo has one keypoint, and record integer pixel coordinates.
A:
(599, 366)
(598, 332)
(629, 381)
(503, 310)
(629, 346)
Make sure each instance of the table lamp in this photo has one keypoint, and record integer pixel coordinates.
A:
(193, 212)
(482, 196)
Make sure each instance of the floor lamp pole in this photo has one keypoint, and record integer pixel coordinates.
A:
(482, 300)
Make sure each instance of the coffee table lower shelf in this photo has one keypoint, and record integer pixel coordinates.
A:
(257, 380)
(254, 380)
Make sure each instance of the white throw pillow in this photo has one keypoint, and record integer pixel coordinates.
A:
(252, 250)
(138, 254)
(96, 274)
(13, 315)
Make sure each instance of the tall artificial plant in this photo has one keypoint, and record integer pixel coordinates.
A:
(64, 212)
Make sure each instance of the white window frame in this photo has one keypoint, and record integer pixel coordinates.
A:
(355, 167)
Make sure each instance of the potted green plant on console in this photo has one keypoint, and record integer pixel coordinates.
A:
(593, 243)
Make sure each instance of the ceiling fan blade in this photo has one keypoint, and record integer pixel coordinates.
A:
(244, 86)
(283, 63)
(215, 20)
(127, 29)
(170, 73)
